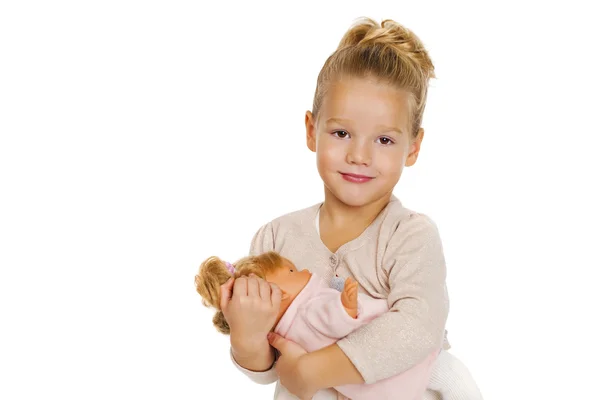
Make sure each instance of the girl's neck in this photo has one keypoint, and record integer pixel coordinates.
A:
(341, 215)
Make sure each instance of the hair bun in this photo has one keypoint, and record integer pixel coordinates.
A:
(365, 32)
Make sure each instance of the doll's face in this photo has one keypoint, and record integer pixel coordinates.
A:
(290, 281)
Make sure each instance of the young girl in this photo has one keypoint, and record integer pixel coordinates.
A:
(365, 127)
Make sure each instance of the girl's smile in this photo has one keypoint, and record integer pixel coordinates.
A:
(354, 178)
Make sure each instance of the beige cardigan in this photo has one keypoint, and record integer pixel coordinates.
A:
(399, 257)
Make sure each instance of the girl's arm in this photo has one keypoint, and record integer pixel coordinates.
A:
(298, 372)
(414, 327)
(258, 365)
(256, 362)
(328, 367)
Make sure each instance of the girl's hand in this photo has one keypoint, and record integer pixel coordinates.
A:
(290, 369)
(250, 306)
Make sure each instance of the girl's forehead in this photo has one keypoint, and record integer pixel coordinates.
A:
(364, 99)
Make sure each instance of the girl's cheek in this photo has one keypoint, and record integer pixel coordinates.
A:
(391, 162)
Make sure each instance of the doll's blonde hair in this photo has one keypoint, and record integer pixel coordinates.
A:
(213, 273)
(388, 52)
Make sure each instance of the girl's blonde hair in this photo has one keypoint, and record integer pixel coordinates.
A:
(213, 273)
(387, 52)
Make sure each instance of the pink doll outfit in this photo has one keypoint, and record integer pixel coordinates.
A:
(316, 319)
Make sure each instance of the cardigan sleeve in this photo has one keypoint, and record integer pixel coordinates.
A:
(418, 302)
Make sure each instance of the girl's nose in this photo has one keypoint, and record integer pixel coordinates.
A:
(359, 153)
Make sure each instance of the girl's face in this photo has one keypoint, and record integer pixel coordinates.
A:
(362, 139)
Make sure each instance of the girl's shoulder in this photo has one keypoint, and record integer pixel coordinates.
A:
(407, 237)
(295, 220)
(295, 224)
(401, 224)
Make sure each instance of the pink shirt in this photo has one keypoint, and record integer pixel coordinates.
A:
(316, 319)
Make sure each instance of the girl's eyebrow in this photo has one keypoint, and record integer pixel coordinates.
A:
(380, 128)
(337, 120)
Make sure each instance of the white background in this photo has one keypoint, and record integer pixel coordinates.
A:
(139, 138)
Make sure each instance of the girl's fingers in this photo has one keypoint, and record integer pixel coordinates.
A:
(276, 295)
(226, 292)
(253, 290)
(240, 287)
(264, 290)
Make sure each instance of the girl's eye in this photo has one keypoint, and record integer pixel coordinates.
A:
(291, 270)
(385, 140)
(341, 134)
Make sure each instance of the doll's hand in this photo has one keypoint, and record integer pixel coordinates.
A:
(250, 306)
(350, 297)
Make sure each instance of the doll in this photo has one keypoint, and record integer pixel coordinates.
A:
(313, 315)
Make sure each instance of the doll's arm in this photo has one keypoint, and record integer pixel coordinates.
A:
(350, 297)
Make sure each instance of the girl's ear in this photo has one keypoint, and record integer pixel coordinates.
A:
(414, 148)
(311, 138)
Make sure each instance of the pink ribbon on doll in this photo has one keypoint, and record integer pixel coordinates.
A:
(230, 268)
